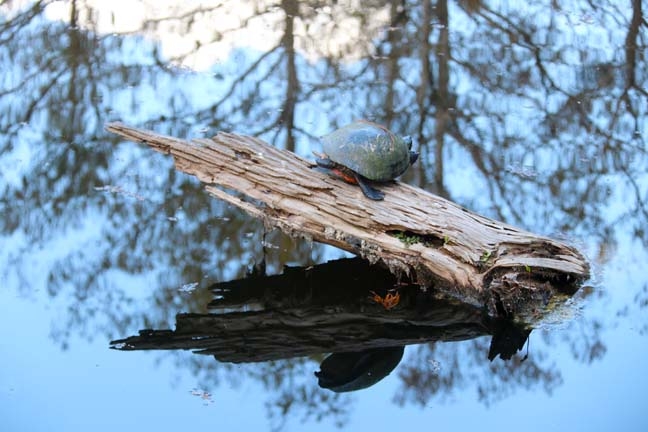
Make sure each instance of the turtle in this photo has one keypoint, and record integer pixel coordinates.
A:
(363, 153)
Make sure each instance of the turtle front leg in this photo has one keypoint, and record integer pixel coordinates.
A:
(369, 191)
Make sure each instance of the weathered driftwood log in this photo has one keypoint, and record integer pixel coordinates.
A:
(435, 241)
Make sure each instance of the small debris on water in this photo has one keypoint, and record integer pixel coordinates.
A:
(523, 171)
(119, 190)
(203, 394)
(188, 288)
(435, 365)
(269, 245)
(122, 345)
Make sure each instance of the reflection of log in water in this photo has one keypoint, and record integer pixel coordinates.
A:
(325, 308)
(435, 241)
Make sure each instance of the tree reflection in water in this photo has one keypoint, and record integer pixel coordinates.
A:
(542, 107)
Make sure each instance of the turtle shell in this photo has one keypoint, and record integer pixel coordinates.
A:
(368, 149)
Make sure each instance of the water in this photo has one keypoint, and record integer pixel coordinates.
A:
(531, 115)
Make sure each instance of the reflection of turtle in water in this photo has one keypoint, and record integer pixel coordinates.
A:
(350, 371)
(364, 151)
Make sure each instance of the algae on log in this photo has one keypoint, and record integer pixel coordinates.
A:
(436, 242)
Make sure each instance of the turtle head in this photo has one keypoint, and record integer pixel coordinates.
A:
(413, 156)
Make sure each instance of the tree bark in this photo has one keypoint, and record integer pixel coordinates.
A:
(435, 242)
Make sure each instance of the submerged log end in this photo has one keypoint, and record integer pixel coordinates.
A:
(523, 283)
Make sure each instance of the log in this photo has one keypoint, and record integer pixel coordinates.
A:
(435, 242)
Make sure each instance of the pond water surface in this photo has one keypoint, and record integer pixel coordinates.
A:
(534, 115)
